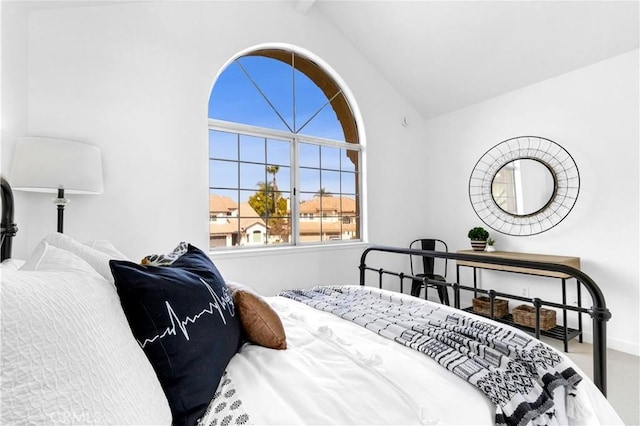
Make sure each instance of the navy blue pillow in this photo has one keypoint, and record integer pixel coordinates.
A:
(184, 318)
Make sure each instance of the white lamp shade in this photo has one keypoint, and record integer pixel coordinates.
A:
(46, 164)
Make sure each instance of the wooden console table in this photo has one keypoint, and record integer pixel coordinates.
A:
(563, 332)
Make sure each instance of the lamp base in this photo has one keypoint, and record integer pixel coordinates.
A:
(60, 201)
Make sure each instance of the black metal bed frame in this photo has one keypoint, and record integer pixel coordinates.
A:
(9, 228)
(599, 312)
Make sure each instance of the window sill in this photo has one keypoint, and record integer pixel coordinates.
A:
(283, 251)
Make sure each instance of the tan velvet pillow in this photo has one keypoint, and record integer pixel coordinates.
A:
(260, 322)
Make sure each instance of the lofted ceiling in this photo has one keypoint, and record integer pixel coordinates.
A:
(445, 55)
(448, 54)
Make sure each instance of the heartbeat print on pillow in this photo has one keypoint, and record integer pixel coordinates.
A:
(215, 305)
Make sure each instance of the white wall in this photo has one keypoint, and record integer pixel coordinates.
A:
(593, 113)
(14, 77)
(134, 79)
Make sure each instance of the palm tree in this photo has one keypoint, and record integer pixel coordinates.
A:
(323, 192)
(273, 170)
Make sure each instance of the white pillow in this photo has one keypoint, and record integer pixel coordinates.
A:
(96, 258)
(108, 248)
(14, 264)
(68, 354)
(46, 257)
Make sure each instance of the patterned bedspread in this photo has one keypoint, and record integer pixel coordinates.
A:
(516, 372)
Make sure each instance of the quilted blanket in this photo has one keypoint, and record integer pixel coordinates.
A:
(518, 373)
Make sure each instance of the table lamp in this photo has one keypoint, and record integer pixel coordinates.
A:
(56, 166)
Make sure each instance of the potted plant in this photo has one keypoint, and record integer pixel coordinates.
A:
(478, 237)
(490, 243)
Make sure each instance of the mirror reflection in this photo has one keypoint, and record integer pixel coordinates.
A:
(523, 187)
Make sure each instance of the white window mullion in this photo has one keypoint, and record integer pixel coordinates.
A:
(295, 193)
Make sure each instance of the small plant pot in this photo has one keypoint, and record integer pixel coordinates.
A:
(478, 245)
(491, 248)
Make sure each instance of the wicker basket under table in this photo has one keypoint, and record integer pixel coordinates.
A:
(526, 315)
(482, 306)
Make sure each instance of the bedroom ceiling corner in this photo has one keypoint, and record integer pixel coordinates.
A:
(446, 55)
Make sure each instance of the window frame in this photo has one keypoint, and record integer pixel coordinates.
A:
(295, 139)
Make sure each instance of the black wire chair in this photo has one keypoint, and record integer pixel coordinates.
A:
(428, 268)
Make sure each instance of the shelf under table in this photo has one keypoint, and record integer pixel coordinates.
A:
(556, 332)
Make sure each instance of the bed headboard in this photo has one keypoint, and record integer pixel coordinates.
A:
(9, 229)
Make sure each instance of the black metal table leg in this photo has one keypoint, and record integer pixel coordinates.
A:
(475, 283)
(564, 314)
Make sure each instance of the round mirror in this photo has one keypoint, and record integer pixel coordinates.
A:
(523, 187)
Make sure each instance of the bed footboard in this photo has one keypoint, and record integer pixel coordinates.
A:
(598, 312)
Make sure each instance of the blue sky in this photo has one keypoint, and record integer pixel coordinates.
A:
(235, 98)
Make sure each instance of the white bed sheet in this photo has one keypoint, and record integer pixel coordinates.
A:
(337, 372)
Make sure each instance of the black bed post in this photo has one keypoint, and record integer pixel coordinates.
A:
(9, 229)
(600, 317)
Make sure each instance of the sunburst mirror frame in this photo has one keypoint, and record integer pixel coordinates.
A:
(559, 162)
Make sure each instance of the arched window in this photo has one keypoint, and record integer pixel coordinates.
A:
(284, 154)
